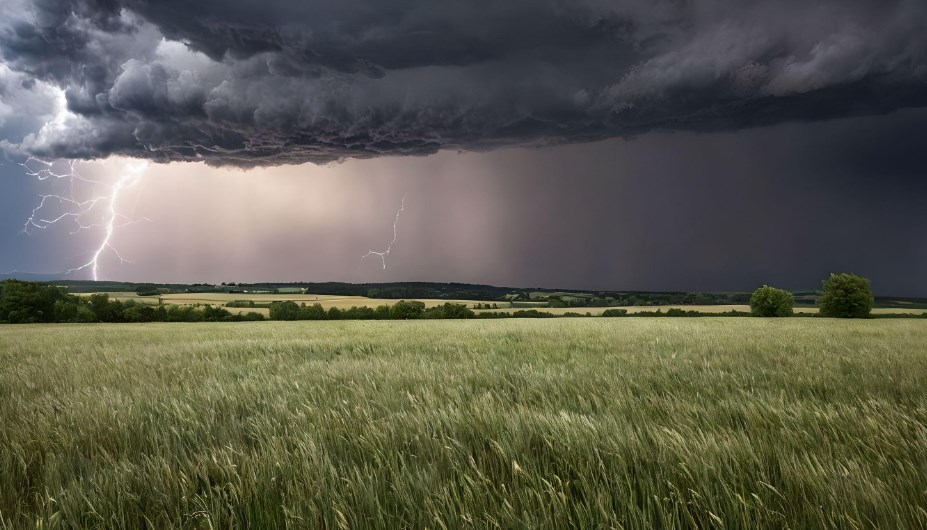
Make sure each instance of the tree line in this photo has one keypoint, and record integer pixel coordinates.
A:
(401, 310)
(21, 302)
(645, 299)
(31, 303)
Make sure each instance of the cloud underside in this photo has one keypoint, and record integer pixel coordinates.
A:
(272, 82)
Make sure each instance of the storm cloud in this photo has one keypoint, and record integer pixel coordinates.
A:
(273, 82)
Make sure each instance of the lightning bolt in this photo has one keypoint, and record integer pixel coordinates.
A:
(81, 212)
(402, 208)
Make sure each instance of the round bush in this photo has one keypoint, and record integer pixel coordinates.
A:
(846, 296)
(771, 302)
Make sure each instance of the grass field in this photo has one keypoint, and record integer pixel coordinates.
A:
(594, 423)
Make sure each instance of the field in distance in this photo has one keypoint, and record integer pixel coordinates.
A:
(596, 423)
(345, 302)
(326, 301)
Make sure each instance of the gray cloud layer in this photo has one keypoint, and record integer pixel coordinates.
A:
(279, 81)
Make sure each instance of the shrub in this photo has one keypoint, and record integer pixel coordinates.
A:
(284, 311)
(359, 313)
(449, 311)
(771, 302)
(407, 310)
(381, 312)
(246, 304)
(494, 314)
(312, 312)
(249, 317)
(615, 313)
(532, 313)
(215, 314)
(139, 313)
(846, 296)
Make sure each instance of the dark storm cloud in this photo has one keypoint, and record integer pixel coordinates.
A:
(278, 81)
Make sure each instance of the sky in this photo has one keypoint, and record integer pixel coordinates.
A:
(584, 144)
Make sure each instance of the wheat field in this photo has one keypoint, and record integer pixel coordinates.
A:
(586, 423)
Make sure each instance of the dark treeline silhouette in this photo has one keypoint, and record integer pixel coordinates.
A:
(401, 310)
(608, 299)
(461, 291)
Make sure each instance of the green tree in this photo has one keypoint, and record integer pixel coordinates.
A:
(407, 310)
(771, 302)
(139, 313)
(313, 312)
(29, 302)
(448, 311)
(84, 315)
(846, 296)
(284, 311)
(215, 314)
(65, 311)
(101, 307)
(359, 313)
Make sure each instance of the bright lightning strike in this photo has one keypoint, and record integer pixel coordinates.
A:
(81, 212)
(402, 208)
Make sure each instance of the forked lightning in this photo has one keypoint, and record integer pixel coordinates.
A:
(53, 208)
(383, 254)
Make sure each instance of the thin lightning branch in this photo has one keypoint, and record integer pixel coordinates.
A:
(78, 211)
(43, 170)
(402, 208)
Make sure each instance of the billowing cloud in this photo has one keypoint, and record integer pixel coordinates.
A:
(277, 81)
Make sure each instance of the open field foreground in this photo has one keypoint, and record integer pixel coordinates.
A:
(621, 423)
